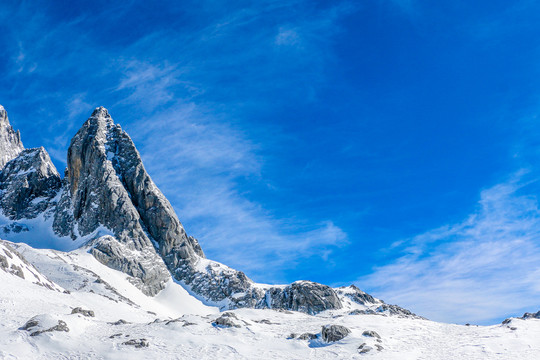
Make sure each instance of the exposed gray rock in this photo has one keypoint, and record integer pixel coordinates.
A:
(527, 315)
(356, 295)
(87, 313)
(371, 333)
(10, 140)
(180, 320)
(44, 323)
(386, 309)
(226, 320)
(307, 336)
(120, 322)
(304, 296)
(146, 269)
(332, 333)
(28, 184)
(138, 343)
(397, 311)
(364, 348)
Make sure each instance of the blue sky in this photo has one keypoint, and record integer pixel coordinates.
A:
(390, 144)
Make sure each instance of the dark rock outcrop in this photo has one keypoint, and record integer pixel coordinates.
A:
(356, 295)
(333, 333)
(307, 336)
(28, 184)
(138, 343)
(371, 333)
(43, 323)
(87, 313)
(226, 320)
(527, 315)
(304, 296)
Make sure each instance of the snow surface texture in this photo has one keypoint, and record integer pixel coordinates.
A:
(174, 325)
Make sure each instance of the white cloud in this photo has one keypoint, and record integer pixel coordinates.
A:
(480, 270)
(287, 37)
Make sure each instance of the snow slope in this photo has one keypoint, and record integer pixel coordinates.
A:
(175, 325)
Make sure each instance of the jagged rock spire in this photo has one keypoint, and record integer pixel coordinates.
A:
(10, 140)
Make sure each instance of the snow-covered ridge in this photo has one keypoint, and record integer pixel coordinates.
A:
(13, 263)
(101, 315)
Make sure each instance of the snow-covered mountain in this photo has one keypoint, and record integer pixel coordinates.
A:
(98, 265)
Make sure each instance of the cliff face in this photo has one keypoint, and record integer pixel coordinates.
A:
(108, 197)
(28, 184)
(10, 140)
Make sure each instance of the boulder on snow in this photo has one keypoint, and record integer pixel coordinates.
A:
(138, 343)
(371, 333)
(44, 323)
(304, 336)
(364, 348)
(332, 333)
(87, 313)
(225, 320)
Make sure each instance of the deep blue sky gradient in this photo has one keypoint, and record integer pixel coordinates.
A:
(297, 139)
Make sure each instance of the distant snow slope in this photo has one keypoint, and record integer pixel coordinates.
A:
(174, 325)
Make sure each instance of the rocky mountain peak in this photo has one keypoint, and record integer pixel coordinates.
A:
(101, 114)
(28, 183)
(10, 140)
(109, 200)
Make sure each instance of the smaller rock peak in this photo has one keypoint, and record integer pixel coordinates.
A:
(3, 115)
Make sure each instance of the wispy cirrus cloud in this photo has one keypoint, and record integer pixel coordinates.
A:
(199, 163)
(479, 270)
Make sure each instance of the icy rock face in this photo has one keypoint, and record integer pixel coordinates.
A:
(10, 140)
(28, 184)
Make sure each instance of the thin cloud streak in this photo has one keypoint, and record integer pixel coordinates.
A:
(480, 270)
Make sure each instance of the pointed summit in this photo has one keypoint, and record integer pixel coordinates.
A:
(10, 140)
(101, 115)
